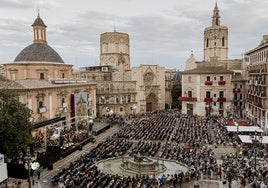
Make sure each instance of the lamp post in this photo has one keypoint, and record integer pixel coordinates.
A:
(30, 163)
(255, 139)
(237, 129)
(110, 113)
(133, 109)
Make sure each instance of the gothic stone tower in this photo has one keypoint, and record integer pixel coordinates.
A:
(216, 39)
(114, 50)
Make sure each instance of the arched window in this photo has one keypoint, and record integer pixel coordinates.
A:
(217, 22)
(222, 41)
(207, 42)
(40, 104)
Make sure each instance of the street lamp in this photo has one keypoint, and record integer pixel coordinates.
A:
(237, 129)
(133, 109)
(255, 138)
(109, 110)
(30, 163)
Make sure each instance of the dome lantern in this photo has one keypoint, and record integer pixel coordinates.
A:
(39, 29)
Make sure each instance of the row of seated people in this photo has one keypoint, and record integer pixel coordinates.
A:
(221, 134)
(111, 148)
(84, 173)
(191, 131)
(197, 159)
(157, 127)
(150, 130)
(200, 160)
(180, 128)
(149, 149)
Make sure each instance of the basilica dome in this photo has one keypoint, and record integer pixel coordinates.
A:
(39, 52)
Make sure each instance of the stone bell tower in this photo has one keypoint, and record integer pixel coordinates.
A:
(114, 50)
(216, 39)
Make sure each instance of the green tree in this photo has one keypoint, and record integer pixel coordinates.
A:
(175, 93)
(15, 125)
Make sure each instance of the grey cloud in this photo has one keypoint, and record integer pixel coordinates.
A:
(16, 3)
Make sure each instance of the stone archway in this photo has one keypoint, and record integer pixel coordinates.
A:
(151, 102)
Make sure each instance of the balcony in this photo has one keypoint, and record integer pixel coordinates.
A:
(256, 103)
(187, 98)
(221, 83)
(236, 90)
(221, 99)
(208, 83)
(255, 71)
(208, 99)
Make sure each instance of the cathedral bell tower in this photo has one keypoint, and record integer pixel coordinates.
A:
(216, 39)
(114, 50)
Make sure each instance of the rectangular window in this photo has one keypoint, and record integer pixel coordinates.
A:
(42, 76)
(235, 95)
(221, 78)
(221, 94)
(207, 94)
(190, 94)
(208, 78)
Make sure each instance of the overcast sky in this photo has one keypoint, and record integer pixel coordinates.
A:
(161, 32)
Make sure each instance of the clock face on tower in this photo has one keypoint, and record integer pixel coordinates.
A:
(148, 78)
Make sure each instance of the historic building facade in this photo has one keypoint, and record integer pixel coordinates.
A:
(210, 87)
(121, 89)
(206, 90)
(256, 95)
(44, 82)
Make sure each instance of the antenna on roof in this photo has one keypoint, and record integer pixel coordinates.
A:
(38, 12)
(114, 28)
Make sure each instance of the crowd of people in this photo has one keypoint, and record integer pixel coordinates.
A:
(148, 128)
(168, 135)
(60, 135)
(243, 168)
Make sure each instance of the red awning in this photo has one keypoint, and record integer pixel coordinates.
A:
(243, 123)
(240, 123)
